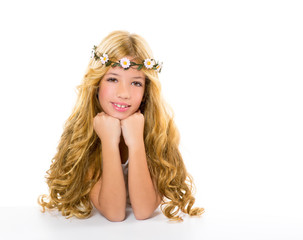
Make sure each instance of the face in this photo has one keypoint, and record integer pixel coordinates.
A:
(121, 91)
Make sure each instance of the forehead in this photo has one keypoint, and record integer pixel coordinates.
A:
(132, 72)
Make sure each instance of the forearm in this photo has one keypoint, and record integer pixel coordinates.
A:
(143, 196)
(112, 194)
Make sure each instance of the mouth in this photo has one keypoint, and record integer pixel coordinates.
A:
(121, 107)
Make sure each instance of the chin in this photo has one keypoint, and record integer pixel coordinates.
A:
(120, 116)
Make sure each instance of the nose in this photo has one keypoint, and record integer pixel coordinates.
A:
(123, 91)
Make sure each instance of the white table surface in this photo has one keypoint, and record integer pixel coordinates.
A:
(30, 223)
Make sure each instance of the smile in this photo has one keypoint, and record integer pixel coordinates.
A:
(120, 107)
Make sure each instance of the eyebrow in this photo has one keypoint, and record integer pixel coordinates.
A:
(115, 74)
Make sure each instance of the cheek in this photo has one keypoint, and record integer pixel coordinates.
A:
(104, 93)
(137, 97)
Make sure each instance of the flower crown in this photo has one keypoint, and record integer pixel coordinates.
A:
(125, 62)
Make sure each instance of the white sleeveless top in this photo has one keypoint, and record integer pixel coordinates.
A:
(125, 173)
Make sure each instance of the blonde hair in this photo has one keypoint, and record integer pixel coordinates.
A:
(79, 149)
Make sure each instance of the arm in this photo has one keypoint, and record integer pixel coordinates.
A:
(109, 193)
(143, 195)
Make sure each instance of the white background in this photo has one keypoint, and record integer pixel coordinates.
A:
(232, 73)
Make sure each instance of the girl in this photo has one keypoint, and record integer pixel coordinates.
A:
(120, 144)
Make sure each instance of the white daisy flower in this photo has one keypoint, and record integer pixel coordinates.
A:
(159, 67)
(148, 63)
(124, 62)
(104, 58)
(93, 53)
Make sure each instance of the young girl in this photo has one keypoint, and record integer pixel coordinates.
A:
(120, 144)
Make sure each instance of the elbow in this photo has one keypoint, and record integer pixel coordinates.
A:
(115, 217)
(142, 215)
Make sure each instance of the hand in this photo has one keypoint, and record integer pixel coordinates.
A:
(107, 128)
(132, 129)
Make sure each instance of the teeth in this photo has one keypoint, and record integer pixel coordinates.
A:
(120, 106)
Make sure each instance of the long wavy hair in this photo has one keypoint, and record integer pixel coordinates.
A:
(79, 148)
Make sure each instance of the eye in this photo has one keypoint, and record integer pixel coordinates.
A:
(112, 80)
(138, 84)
